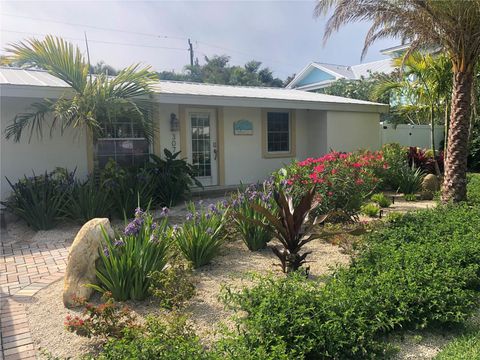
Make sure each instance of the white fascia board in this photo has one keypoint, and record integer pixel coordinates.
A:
(267, 103)
(27, 91)
(299, 76)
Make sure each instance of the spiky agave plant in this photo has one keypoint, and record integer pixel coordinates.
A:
(291, 227)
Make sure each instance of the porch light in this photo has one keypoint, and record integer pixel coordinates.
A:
(174, 123)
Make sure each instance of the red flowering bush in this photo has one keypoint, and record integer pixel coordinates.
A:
(107, 320)
(343, 180)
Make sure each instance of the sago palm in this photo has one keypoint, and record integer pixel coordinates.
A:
(452, 24)
(90, 101)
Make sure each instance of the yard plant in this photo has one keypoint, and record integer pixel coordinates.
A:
(127, 260)
(202, 233)
(343, 181)
(291, 227)
(249, 223)
(41, 200)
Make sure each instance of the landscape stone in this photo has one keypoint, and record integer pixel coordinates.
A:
(81, 260)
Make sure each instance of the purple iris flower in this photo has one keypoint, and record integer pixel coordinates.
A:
(213, 208)
(138, 212)
(106, 252)
(119, 242)
(189, 216)
(209, 231)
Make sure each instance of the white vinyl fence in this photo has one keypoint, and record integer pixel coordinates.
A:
(411, 135)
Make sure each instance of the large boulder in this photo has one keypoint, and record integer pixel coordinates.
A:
(430, 183)
(81, 260)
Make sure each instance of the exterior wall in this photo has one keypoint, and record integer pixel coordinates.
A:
(350, 131)
(244, 162)
(18, 159)
(165, 137)
(411, 135)
(317, 133)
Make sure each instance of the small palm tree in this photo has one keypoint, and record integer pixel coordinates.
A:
(424, 88)
(452, 24)
(91, 101)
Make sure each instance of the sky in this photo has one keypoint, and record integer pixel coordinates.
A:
(283, 35)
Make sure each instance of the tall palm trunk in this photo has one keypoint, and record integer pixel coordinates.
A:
(455, 182)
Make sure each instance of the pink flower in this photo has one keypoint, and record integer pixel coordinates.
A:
(334, 171)
(357, 165)
(359, 181)
(330, 193)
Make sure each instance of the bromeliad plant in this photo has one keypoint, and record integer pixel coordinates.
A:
(126, 261)
(291, 227)
(246, 219)
(201, 235)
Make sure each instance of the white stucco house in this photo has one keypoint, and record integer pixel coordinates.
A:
(230, 134)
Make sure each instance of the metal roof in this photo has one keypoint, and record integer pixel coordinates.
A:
(39, 79)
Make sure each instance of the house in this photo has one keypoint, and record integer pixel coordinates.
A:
(231, 134)
(317, 75)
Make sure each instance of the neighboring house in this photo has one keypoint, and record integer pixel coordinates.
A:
(318, 75)
(231, 134)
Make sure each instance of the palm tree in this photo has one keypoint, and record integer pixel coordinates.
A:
(91, 100)
(452, 24)
(423, 90)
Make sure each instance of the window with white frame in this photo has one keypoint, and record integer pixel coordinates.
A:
(278, 132)
(123, 141)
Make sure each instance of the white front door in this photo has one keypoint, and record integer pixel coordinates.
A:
(202, 144)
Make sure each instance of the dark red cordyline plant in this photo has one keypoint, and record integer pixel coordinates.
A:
(290, 225)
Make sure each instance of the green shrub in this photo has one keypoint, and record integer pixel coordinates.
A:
(87, 200)
(370, 209)
(473, 189)
(202, 234)
(127, 260)
(40, 200)
(246, 219)
(169, 339)
(422, 270)
(173, 178)
(172, 286)
(409, 180)
(395, 156)
(382, 200)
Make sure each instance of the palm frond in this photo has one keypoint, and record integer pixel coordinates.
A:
(59, 57)
(34, 120)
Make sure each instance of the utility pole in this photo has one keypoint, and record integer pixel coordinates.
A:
(190, 45)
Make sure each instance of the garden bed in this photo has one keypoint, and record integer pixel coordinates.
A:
(47, 313)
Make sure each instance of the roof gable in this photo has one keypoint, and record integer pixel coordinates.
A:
(315, 75)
